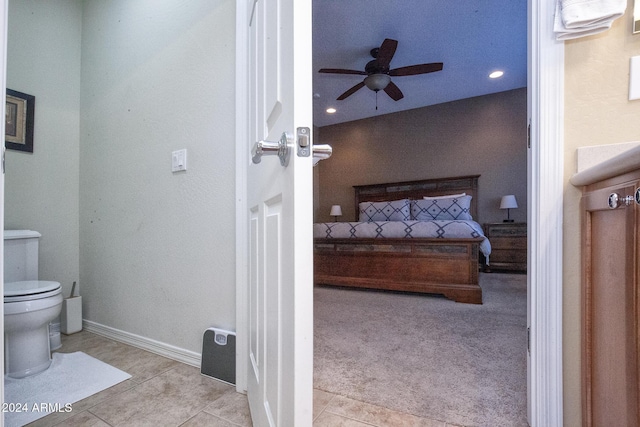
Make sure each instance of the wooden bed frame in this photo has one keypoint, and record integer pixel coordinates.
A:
(426, 265)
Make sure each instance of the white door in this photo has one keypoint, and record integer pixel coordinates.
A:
(280, 209)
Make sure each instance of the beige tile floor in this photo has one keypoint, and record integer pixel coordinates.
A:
(163, 392)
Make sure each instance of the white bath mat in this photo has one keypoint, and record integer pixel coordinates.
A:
(70, 378)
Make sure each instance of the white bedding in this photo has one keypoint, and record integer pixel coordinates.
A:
(442, 229)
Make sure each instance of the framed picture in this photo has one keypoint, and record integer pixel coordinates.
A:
(18, 121)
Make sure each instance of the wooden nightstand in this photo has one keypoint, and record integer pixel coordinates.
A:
(508, 246)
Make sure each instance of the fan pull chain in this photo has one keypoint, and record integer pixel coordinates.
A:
(377, 100)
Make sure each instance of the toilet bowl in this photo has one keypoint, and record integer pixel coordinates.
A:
(29, 306)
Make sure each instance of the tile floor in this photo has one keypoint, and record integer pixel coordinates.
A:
(163, 392)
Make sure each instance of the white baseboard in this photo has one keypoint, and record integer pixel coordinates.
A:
(169, 351)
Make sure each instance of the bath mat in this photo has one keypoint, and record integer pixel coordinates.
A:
(71, 377)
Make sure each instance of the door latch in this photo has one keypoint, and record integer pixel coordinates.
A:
(320, 151)
(303, 139)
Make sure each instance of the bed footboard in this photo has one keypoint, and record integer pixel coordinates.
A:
(439, 266)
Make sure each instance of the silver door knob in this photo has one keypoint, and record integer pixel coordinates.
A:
(615, 200)
(269, 148)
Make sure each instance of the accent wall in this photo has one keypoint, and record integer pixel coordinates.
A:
(485, 135)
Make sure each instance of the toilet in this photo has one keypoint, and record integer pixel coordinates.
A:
(29, 305)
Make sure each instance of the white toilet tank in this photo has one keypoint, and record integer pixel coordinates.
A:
(20, 255)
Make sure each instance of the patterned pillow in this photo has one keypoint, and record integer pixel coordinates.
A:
(443, 208)
(395, 210)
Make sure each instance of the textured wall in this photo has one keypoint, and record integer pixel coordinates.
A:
(486, 135)
(597, 112)
(157, 249)
(41, 189)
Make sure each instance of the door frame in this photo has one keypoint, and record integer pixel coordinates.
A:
(4, 12)
(545, 191)
(243, 9)
(545, 177)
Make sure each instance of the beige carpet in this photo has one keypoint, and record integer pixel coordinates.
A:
(426, 355)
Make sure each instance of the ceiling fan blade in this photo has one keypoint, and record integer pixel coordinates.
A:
(351, 91)
(341, 71)
(412, 70)
(394, 91)
(386, 52)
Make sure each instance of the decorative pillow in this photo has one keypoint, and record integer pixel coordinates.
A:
(395, 210)
(441, 208)
(444, 196)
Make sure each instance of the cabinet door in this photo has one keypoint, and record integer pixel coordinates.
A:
(610, 310)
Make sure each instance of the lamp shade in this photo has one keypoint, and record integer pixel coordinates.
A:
(336, 210)
(508, 202)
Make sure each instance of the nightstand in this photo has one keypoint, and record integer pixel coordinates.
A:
(508, 246)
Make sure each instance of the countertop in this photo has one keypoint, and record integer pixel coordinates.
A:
(620, 163)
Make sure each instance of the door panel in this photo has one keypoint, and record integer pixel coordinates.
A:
(280, 210)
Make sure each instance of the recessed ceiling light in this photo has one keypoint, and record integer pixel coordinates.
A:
(331, 110)
(496, 74)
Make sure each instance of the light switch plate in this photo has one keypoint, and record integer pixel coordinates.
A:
(634, 78)
(179, 160)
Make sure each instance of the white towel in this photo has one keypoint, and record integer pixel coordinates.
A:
(580, 18)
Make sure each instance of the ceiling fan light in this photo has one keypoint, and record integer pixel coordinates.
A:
(377, 82)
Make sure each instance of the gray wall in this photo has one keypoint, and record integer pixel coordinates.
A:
(484, 136)
(41, 188)
(119, 85)
(157, 254)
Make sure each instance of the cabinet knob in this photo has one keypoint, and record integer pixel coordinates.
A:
(615, 200)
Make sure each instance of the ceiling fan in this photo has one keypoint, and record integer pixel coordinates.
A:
(378, 72)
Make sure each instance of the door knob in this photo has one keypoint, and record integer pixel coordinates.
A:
(270, 148)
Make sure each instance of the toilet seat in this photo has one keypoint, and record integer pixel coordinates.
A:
(30, 290)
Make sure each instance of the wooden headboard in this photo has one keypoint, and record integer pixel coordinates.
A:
(418, 189)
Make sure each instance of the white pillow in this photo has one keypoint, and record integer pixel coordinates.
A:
(445, 196)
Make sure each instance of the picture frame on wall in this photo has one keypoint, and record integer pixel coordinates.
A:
(19, 116)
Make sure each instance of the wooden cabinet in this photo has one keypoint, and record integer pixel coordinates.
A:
(508, 246)
(610, 301)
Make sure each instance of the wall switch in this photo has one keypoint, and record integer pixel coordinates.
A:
(634, 78)
(179, 161)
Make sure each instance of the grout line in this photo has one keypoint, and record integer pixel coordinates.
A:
(104, 421)
(333, 396)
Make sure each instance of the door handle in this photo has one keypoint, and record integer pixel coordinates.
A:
(321, 152)
(270, 148)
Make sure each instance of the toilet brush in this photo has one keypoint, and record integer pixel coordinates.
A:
(73, 290)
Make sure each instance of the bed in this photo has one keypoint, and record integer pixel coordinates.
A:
(384, 253)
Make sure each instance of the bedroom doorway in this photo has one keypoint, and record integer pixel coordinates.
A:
(544, 273)
(409, 340)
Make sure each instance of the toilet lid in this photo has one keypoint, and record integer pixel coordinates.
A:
(30, 289)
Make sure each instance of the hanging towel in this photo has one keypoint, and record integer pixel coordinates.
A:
(580, 18)
(588, 13)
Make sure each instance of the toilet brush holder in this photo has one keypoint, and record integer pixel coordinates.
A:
(71, 315)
